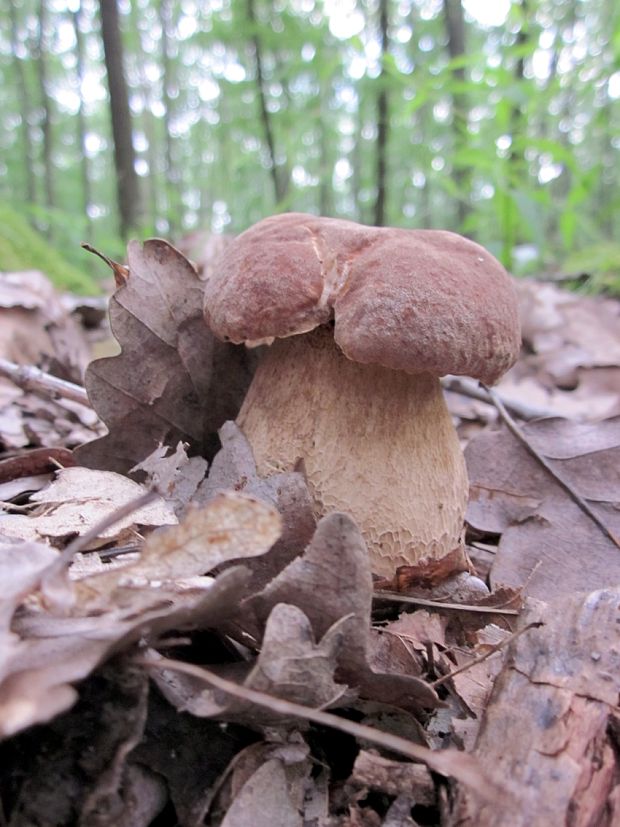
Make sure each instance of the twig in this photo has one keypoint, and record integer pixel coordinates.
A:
(437, 604)
(446, 762)
(83, 540)
(516, 431)
(30, 378)
(495, 648)
(467, 387)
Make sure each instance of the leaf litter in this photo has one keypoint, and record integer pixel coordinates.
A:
(281, 686)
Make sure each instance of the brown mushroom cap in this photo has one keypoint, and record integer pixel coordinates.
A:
(420, 301)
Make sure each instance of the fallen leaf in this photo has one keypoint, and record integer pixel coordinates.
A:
(36, 328)
(290, 665)
(77, 500)
(174, 475)
(234, 468)
(393, 777)
(268, 799)
(548, 545)
(332, 581)
(172, 380)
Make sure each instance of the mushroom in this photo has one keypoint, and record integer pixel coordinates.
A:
(361, 323)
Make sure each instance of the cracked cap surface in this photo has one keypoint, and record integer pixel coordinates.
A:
(420, 301)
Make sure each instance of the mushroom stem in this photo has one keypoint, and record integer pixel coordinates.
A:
(376, 443)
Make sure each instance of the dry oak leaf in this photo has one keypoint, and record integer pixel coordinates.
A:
(78, 499)
(37, 674)
(548, 545)
(234, 468)
(290, 665)
(331, 581)
(230, 526)
(172, 380)
(45, 654)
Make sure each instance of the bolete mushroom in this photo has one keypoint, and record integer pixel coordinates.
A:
(384, 313)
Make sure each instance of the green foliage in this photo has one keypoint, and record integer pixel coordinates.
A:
(596, 268)
(513, 142)
(23, 248)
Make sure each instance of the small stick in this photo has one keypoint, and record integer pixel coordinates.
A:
(486, 655)
(119, 514)
(447, 762)
(516, 431)
(457, 384)
(437, 604)
(30, 378)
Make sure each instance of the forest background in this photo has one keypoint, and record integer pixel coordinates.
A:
(499, 119)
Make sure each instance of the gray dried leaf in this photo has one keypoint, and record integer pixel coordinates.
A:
(290, 665)
(172, 380)
(267, 799)
(234, 468)
(548, 545)
(330, 582)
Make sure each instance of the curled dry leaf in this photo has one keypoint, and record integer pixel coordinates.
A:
(548, 545)
(571, 365)
(330, 582)
(53, 653)
(46, 654)
(229, 526)
(172, 380)
(77, 500)
(290, 665)
(234, 468)
(174, 475)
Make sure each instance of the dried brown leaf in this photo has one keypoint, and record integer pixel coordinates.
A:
(332, 581)
(290, 665)
(548, 544)
(234, 468)
(77, 500)
(393, 777)
(172, 380)
(268, 799)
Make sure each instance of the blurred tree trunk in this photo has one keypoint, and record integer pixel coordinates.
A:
(151, 189)
(128, 190)
(382, 117)
(76, 17)
(171, 177)
(30, 191)
(454, 20)
(46, 109)
(516, 163)
(279, 177)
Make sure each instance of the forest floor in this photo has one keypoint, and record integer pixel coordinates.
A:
(181, 643)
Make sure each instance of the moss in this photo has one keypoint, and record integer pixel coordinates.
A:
(23, 248)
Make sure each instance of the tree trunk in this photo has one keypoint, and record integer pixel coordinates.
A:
(128, 191)
(382, 118)
(279, 180)
(46, 108)
(76, 16)
(30, 193)
(455, 31)
(151, 190)
(171, 177)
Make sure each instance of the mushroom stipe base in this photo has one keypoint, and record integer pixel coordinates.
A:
(376, 443)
